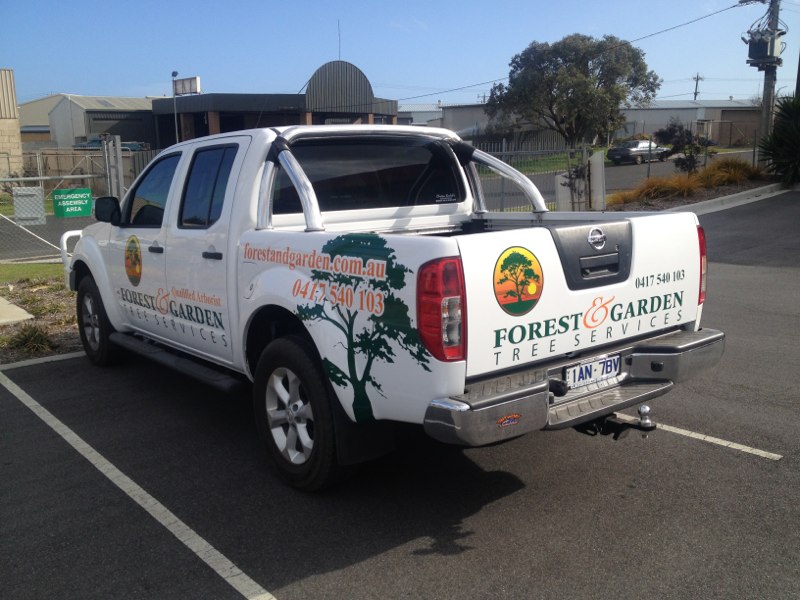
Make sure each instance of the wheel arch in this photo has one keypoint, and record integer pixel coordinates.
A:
(355, 443)
(79, 270)
(266, 324)
(82, 269)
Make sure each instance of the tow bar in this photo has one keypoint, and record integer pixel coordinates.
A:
(617, 428)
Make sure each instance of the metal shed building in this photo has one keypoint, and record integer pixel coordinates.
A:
(79, 119)
(337, 92)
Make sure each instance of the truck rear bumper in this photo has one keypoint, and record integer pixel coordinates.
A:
(498, 408)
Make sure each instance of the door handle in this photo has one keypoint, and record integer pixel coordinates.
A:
(155, 249)
(212, 255)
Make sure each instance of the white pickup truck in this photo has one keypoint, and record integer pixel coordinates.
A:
(361, 276)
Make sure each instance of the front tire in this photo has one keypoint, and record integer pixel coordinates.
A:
(93, 324)
(292, 408)
(638, 160)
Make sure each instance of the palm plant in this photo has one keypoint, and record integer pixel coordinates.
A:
(781, 148)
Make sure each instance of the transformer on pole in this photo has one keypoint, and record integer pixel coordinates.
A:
(764, 52)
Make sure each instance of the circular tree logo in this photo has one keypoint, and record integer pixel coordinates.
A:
(133, 260)
(518, 281)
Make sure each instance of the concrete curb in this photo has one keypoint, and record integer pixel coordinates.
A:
(725, 202)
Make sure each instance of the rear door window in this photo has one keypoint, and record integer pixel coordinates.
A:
(205, 187)
(359, 173)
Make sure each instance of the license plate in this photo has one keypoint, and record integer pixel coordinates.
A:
(592, 371)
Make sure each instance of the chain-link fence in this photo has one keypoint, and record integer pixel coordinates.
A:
(33, 216)
(55, 194)
(561, 175)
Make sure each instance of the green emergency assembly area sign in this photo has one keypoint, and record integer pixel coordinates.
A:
(72, 203)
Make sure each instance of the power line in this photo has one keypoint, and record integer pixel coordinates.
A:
(684, 24)
(458, 89)
(644, 37)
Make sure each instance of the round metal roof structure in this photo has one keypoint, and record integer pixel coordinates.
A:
(339, 87)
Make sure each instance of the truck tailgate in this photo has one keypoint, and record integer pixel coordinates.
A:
(543, 292)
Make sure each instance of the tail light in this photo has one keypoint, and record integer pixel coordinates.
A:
(701, 236)
(441, 308)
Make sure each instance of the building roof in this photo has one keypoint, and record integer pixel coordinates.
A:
(34, 113)
(405, 108)
(217, 102)
(692, 104)
(109, 102)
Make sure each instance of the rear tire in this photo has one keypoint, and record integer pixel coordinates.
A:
(292, 408)
(638, 160)
(93, 325)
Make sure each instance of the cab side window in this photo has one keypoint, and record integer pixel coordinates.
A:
(284, 195)
(205, 187)
(146, 209)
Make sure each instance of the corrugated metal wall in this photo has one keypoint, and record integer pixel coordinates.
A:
(8, 95)
(339, 87)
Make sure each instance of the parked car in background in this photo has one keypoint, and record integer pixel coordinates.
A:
(637, 151)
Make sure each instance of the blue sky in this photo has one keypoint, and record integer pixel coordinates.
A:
(411, 51)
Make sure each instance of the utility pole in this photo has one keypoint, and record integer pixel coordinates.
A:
(770, 72)
(697, 79)
(797, 82)
(764, 52)
(175, 106)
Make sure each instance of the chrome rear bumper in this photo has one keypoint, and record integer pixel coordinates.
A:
(507, 406)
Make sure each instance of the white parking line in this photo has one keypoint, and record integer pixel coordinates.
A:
(709, 439)
(40, 361)
(204, 551)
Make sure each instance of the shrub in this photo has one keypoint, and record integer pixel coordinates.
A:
(623, 197)
(667, 187)
(32, 339)
(782, 147)
(728, 171)
(674, 134)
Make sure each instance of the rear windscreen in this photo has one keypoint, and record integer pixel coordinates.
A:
(350, 174)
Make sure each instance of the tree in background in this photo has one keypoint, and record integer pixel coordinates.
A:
(576, 86)
(683, 143)
(781, 148)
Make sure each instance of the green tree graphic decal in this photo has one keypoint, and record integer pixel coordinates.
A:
(378, 338)
(518, 269)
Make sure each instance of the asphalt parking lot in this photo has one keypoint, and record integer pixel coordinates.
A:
(136, 482)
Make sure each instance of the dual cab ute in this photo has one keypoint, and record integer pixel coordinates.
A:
(361, 276)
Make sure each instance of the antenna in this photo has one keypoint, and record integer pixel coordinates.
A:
(339, 27)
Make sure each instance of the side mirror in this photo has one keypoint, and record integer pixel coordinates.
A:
(107, 210)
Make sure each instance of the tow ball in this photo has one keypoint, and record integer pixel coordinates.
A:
(618, 428)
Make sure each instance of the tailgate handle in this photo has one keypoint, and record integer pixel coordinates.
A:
(598, 266)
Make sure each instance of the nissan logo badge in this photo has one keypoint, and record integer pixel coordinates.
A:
(597, 239)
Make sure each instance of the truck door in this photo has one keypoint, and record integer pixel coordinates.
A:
(136, 248)
(199, 252)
